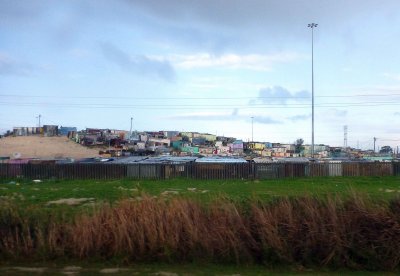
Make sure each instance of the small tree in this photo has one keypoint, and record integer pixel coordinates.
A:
(299, 145)
(386, 150)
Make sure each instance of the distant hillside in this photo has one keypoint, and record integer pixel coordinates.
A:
(44, 147)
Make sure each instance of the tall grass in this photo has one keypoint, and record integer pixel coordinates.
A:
(353, 233)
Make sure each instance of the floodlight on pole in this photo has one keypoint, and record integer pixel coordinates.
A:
(252, 129)
(312, 26)
(130, 131)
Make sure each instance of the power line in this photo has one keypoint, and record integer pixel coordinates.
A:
(196, 98)
(197, 106)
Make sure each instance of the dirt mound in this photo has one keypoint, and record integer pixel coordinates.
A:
(44, 147)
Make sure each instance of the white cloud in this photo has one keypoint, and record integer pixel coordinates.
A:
(234, 61)
(392, 76)
(297, 118)
(218, 116)
(10, 66)
(235, 84)
(80, 53)
(337, 112)
(280, 95)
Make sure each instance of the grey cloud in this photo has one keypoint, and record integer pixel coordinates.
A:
(61, 22)
(9, 66)
(207, 25)
(21, 12)
(139, 64)
(233, 13)
(280, 95)
(397, 114)
(238, 13)
(271, 23)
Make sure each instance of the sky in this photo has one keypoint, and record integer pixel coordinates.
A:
(235, 68)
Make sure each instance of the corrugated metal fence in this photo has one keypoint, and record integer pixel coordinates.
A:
(196, 170)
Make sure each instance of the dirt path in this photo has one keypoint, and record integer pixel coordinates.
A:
(44, 147)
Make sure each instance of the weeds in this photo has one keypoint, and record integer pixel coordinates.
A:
(307, 231)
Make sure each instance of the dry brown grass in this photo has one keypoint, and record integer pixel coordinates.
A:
(307, 231)
(158, 230)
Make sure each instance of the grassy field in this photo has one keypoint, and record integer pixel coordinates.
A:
(259, 226)
(45, 193)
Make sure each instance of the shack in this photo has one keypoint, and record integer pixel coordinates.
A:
(50, 130)
(63, 131)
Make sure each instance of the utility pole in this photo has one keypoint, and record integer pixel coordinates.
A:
(345, 137)
(312, 26)
(38, 117)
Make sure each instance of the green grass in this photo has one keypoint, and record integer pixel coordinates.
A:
(90, 268)
(27, 193)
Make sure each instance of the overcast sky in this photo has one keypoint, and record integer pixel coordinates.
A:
(205, 65)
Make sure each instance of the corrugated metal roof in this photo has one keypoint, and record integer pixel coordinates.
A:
(170, 160)
(262, 160)
(292, 159)
(130, 159)
(155, 160)
(219, 159)
(176, 160)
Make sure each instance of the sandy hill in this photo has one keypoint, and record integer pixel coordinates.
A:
(44, 147)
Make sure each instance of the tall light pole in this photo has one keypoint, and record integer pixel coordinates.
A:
(312, 26)
(130, 132)
(252, 132)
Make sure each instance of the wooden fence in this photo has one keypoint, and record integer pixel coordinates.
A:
(196, 170)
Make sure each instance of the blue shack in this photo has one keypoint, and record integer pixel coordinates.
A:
(63, 131)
